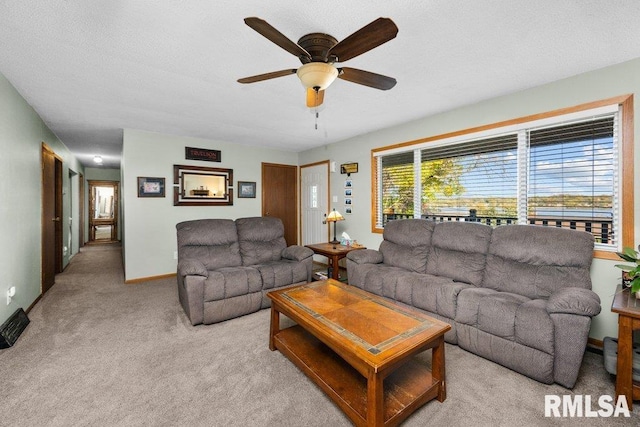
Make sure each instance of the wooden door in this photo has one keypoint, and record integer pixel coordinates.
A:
(51, 217)
(279, 197)
(314, 202)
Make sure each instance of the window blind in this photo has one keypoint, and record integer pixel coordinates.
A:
(571, 177)
(475, 181)
(557, 171)
(397, 186)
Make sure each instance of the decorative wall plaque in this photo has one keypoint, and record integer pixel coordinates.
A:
(349, 168)
(191, 153)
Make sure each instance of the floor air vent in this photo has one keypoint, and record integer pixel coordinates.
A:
(12, 328)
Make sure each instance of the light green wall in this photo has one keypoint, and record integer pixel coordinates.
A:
(150, 223)
(593, 86)
(22, 133)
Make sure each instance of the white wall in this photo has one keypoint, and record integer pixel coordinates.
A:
(22, 133)
(150, 233)
(597, 85)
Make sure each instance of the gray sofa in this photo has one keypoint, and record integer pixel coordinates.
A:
(226, 267)
(518, 295)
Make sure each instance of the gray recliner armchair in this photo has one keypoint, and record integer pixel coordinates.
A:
(226, 267)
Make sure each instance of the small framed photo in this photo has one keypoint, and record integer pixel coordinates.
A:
(150, 187)
(347, 209)
(347, 192)
(348, 183)
(246, 190)
(347, 201)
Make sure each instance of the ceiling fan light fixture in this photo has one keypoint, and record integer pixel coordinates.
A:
(317, 75)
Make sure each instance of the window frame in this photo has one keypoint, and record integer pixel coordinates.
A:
(625, 164)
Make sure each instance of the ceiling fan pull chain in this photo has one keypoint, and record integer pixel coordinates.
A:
(317, 91)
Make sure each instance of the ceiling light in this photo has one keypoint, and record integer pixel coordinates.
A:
(317, 75)
(97, 159)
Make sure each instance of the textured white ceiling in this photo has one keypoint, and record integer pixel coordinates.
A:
(91, 68)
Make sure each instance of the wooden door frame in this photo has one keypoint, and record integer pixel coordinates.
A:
(81, 210)
(58, 169)
(116, 208)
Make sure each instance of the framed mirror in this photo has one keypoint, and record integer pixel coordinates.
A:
(200, 186)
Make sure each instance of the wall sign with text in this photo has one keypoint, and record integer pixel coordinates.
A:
(191, 153)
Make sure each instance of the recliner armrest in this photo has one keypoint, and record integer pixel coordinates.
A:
(580, 301)
(296, 253)
(192, 267)
(365, 256)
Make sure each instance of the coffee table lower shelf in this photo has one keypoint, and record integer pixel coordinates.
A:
(405, 390)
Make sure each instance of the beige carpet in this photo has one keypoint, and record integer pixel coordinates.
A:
(99, 352)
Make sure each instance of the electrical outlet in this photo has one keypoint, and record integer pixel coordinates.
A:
(10, 294)
(175, 255)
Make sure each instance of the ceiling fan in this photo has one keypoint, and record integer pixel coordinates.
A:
(319, 52)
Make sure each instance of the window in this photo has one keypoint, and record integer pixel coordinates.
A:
(572, 177)
(557, 170)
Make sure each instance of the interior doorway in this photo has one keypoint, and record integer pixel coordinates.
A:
(51, 217)
(103, 211)
(81, 210)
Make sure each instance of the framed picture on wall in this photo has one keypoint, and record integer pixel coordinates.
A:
(246, 190)
(150, 187)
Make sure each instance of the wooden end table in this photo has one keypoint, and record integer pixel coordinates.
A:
(628, 308)
(359, 349)
(335, 252)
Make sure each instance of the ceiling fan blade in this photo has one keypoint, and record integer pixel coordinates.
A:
(367, 78)
(314, 99)
(267, 76)
(366, 38)
(264, 28)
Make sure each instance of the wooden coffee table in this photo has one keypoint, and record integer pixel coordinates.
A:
(358, 348)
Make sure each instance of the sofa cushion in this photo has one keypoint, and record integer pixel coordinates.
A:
(431, 293)
(537, 261)
(213, 242)
(381, 279)
(497, 314)
(458, 251)
(261, 239)
(534, 326)
(276, 274)
(406, 243)
(509, 316)
(230, 282)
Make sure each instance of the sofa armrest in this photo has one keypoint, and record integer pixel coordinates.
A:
(296, 253)
(580, 301)
(365, 256)
(192, 267)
